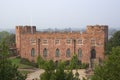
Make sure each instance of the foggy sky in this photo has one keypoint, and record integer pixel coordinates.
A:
(59, 13)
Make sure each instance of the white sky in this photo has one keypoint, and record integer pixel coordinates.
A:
(59, 13)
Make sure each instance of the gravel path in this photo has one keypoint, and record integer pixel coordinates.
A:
(36, 75)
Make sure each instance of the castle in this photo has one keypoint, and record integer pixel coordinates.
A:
(88, 45)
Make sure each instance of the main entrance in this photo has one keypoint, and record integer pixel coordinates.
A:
(92, 58)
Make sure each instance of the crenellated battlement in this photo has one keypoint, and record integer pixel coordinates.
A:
(26, 29)
(97, 28)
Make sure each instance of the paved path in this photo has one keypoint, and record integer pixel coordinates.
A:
(32, 70)
(36, 75)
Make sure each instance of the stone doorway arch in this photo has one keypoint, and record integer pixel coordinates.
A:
(92, 58)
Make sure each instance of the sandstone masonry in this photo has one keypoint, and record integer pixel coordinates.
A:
(88, 45)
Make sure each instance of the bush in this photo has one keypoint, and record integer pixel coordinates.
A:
(40, 62)
(84, 66)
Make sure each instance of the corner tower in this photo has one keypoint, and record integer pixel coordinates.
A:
(18, 38)
(20, 31)
(98, 36)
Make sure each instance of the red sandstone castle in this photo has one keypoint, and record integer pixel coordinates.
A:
(88, 45)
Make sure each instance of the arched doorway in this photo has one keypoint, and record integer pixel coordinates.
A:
(93, 54)
(92, 58)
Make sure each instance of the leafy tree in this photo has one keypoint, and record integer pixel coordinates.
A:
(40, 62)
(114, 41)
(49, 71)
(74, 62)
(8, 71)
(110, 69)
(58, 74)
(69, 75)
(3, 34)
(10, 38)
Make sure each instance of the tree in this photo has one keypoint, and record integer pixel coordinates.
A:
(74, 62)
(110, 69)
(8, 71)
(60, 75)
(69, 75)
(3, 34)
(114, 41)
(40, 62)
(57, 74)
(49, 71)
(10, 38)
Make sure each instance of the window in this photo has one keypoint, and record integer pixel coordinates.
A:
(80, 41)
(57, 52)
(33, 41)
(45, 41)
(68, 52)
(93, 54)
(32, 52)
(68, 41)
(79, 52)
(45, 52)
(93, 42)
(57, 41)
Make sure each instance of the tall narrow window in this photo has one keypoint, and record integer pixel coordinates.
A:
(80, 53)
(32, 52)
(57, 54)
(45, 52)
(93, 54)
(68, 52)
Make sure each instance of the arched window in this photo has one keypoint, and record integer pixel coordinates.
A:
(93, 54)
(57, 53)
(32, 52)
(45, 52)
(79, 52)
(68, 52)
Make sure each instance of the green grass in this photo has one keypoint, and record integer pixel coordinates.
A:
(17, 62)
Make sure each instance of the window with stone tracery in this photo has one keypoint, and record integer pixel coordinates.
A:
(57, 41)
(80, 42)
(68, 52)
(57, 53)
(45, 42)
(80, 53)
(45, 52)
(68, 41)
(92, 42)
(32, 52)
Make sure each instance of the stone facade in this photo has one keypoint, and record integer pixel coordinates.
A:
(88, 45)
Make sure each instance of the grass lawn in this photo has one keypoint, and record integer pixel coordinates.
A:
(17, 62)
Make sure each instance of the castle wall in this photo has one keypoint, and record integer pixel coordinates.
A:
(28, 38)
